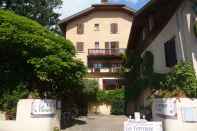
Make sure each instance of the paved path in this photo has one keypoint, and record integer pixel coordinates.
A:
(98, 123)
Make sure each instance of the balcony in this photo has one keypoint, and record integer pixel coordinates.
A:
(106, 52)
(104, 72)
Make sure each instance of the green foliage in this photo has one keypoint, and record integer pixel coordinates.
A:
(147, 64)
(56, 129)
(118, 107)
(181, 77)
(10, 97)
(195, 29)
(90, 87)
(37, 57)
(115, 97)
(181, 80)
(110, 96)
(39, 10)
(140, 71)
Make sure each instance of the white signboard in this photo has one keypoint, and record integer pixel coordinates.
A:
(43, 107)
(143, 126)
(189, 111)
(189, 114)
(166, 108)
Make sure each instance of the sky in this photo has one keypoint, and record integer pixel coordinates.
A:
(71, 7)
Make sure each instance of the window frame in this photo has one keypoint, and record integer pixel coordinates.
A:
(114, 28)
(78, 50)
(96, 27)
(96, 43)
(170, 52)
(80, 28)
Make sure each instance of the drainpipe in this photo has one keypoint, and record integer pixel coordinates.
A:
(181, 37)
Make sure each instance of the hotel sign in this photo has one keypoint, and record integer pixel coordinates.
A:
(43, 107)
(143, 126)
(166, 108)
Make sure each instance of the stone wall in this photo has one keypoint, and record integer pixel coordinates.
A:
(25, 121)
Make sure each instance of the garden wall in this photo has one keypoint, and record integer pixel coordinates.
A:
(2, 115)
(25, 121)
(177, 114)
(100, 108)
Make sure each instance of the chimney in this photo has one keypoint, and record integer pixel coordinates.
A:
(104, 1)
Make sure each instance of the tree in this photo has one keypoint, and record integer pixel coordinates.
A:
(39, 10)
(36, 58)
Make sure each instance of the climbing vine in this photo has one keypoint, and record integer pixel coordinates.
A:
(181, 81)
(195, 29)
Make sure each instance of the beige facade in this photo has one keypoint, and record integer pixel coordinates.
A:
(90, 35)
(181, 27)
(97, 22)
(100, 35)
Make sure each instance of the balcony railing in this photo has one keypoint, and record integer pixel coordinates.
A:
(106, 52)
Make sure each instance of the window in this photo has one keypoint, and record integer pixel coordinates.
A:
(96, 45)
(114, 28)
(97, 67)
(80, 47)
(112, 45)
(107, 45)
(112, 84)
(96, 27)
(80, 28)
(170, 53)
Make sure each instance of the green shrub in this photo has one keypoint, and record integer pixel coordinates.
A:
(181, 80)
(33, 55)
(90, 87)
(195, 29)
(110, 96)
(115, 97)
(181, 77)
(118, 107)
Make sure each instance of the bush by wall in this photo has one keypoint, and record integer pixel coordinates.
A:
(195, 29)
(115, 97)
(180, 81)
(118, 107)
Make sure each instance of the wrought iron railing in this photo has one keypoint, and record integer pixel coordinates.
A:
(103, 52)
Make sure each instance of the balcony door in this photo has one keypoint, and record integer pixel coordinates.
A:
(111, 47)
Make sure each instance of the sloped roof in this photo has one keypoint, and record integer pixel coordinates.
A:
(164, 8)
(96, 7)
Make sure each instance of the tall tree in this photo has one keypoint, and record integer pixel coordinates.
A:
(39, 10)
(32, 56)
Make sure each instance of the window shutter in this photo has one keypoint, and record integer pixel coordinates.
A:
(80, 46)
(114, 28)
(80, 28)
(170, 53)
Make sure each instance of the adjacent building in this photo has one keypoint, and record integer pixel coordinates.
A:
(100, 35)
(166, 28)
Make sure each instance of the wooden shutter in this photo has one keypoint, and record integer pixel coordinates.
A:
(80, 46)
(80, 28)
(170, 53)
(114, 28)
